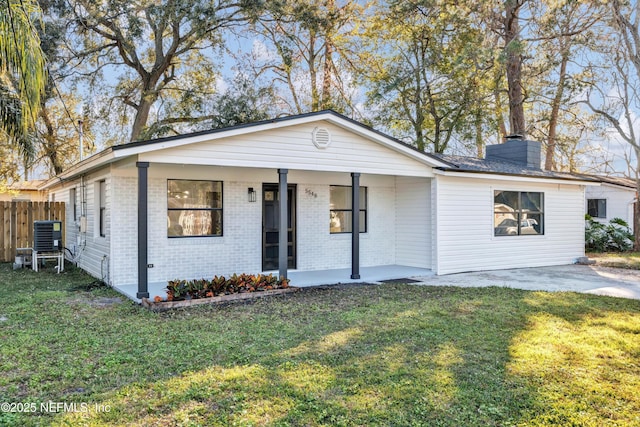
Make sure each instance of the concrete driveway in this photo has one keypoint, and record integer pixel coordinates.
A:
(591, 279)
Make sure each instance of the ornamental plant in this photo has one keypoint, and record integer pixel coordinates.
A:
(612, 237)
(178, 290)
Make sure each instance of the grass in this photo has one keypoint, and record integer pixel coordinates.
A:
(630, 260)
(359, 355)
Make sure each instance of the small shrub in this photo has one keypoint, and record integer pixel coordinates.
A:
(202, 288)
(612, 237)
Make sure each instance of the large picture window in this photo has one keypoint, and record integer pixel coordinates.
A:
(194, 208)
(340, 209)
(518, 213)
(597, 208)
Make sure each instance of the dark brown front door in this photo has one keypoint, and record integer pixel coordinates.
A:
(271, 226)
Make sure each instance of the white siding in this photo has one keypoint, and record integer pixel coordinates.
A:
(619, 201)
(89, 250)
(465, 235)
(239, 250)
(413, 222)
(292, 148)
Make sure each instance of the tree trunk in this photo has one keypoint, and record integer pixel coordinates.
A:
(49, 143)
(327, 74)
(313, 73)
(326, 101)
(636, 222)
(549, 163)
(142, 115)
(478, 137)
(514, 68)
(636, 206)
(502, 128)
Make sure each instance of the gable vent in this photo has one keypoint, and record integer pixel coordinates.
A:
(321, 137)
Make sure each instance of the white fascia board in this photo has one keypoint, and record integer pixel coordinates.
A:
(96, 161)
(513, 178)
(618, 186)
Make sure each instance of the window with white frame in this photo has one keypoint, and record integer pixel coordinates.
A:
(194, 208)
(518, 213)
(102, 205)
(597, 208)
(340, 209)
(73, 207)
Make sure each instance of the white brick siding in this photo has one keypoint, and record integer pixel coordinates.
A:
(239, 250)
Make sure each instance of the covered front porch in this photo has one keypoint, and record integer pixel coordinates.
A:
(303, 279)
(356, 201)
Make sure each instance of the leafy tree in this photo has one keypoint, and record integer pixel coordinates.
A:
(160, 51)
(561, 33)
(242, 103)
(619, 104)
(422, 55)
(22, 65)
(307, 52)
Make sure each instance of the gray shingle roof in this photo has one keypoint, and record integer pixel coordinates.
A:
(475, 165)
(615, 180)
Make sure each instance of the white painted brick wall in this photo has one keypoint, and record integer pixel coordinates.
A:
(239, 250)
(124, 230)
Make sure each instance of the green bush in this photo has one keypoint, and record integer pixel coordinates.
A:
(178, 290)
(612, 237)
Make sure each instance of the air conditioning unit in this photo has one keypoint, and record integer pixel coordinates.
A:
(47, 236)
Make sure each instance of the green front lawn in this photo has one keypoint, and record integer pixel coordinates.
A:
(361, 355)
(617, 259)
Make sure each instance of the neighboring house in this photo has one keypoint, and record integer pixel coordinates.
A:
(24, 191)
(212, 202)
(614, 198)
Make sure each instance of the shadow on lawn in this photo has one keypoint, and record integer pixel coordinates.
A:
(383, 355)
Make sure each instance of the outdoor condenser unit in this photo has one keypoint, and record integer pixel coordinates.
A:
(47, 236)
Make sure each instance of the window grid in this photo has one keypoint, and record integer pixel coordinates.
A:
(340, 218)
(192, 215)
(516, 213)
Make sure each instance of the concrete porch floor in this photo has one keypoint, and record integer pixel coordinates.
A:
(310, 278)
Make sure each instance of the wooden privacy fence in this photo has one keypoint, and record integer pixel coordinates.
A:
(16, 224)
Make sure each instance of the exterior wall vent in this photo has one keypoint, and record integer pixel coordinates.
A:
(321, 138)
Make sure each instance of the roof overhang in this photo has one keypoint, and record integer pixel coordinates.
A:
(620, 186)
(515, 177)
(92, 163)
(123, 151)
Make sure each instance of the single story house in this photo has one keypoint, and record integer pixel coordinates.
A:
(213, 202)
(614, 198)
(23, 191)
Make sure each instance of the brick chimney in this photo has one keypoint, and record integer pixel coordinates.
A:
(517, 150)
